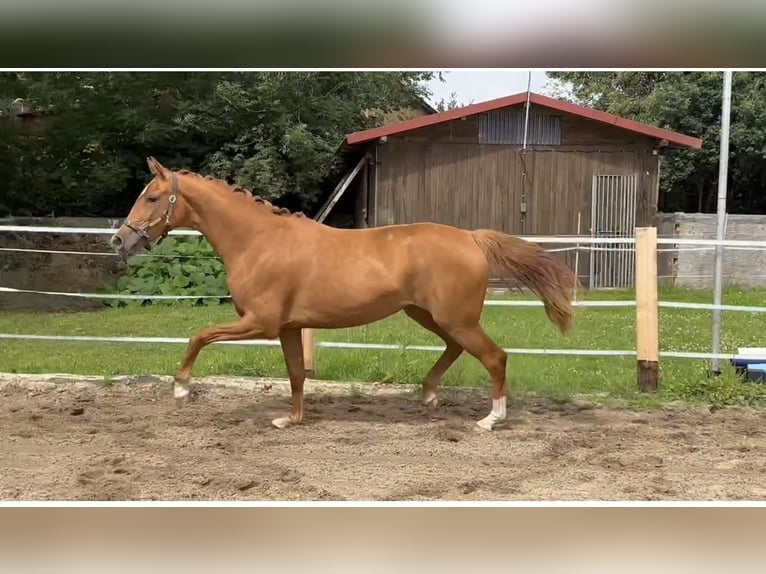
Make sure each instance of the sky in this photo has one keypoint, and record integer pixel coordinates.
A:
(474, 86)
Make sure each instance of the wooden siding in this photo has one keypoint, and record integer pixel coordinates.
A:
(481, 186)
(458, 131)
(582, 132)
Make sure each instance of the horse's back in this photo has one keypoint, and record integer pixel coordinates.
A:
(429, 260)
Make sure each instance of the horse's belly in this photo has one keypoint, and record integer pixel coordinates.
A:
(334, 308)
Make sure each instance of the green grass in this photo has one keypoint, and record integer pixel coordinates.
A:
(553, 376)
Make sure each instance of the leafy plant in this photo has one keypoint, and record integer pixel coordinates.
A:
(177, 266)
(727, 390)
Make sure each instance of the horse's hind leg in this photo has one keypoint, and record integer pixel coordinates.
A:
(475, 341)
(449, 356)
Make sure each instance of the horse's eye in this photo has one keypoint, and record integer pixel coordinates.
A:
(151, 199)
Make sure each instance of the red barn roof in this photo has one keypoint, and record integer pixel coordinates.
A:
(491, 105)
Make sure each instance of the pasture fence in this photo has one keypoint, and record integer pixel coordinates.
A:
(645, 243)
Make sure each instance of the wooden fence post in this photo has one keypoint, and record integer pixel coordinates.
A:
(309, 349)
(647, 319)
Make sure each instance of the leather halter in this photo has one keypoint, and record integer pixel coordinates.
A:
(143, 231)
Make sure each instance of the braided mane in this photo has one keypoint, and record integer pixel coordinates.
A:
(239, 189)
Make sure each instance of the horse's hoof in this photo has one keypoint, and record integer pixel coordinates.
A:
(181, 391)
(431, 401)
(484, 425)
(281, 422)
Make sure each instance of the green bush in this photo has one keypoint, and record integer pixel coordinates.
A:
(727, 390)
(177, 266)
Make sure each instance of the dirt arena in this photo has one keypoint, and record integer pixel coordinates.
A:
(73, 439)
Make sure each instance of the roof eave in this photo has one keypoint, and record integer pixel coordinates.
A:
(671, 137)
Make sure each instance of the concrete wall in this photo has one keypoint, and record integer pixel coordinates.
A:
(694, 269)
(55, 272)
(62, 221)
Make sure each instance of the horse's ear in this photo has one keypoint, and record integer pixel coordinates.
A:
(156, 167)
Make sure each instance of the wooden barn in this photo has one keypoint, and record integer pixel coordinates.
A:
(525, 164)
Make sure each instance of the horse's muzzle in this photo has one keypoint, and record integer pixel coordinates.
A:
(126, 242)
(116, 242)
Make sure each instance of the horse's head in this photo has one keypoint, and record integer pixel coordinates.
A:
(152, 215)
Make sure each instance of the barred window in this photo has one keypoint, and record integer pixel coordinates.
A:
(504, 127)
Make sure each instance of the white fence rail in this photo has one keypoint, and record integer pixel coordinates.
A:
(578, 242)
(362, 346)
(487, 302)
(547, 239)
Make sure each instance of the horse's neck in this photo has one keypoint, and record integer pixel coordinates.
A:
(220, 217)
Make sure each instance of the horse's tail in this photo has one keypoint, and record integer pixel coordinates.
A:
(539, 270)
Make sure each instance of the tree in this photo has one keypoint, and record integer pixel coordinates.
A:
(443, 104)
(690, 103)
(276, 133)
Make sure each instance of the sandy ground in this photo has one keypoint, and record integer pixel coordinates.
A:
(79, 439)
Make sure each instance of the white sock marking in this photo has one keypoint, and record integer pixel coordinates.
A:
(180, 391)
(498, 414)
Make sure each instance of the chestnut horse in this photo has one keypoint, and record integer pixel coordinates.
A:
(286, 272)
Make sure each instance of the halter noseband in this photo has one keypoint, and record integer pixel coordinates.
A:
(143, 231)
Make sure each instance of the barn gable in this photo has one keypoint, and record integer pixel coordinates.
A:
(512, 109)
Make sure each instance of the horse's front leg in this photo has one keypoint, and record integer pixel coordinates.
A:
(292, 348)
(248, 327)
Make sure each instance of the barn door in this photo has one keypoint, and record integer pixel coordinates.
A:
(613, 214)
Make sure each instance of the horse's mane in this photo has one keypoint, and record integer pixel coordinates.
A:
(239, 189)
